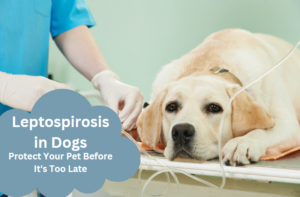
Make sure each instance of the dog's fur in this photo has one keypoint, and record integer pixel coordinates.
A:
(262, 121)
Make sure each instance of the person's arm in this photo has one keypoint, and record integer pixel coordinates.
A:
(80, 48)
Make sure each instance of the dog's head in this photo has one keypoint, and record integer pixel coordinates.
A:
(186, 115)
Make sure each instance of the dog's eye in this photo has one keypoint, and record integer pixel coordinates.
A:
(214, 108)
(172, 107)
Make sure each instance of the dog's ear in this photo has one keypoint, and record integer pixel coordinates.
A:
(149, 124)
(247, 114)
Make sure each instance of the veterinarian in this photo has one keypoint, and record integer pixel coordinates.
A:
(24, 44)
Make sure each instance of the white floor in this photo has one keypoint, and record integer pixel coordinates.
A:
(191, 188)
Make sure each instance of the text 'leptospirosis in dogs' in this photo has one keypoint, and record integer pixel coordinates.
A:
(66, 143)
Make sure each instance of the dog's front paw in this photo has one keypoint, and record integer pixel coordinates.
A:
(241, 151)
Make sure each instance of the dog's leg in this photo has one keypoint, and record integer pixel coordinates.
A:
(250, 147)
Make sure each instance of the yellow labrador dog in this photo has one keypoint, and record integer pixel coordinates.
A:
(190, 93)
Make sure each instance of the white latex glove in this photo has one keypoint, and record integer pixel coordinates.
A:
(119, 96)
(22, 91)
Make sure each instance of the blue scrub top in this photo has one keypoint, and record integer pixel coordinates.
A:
(24, 32)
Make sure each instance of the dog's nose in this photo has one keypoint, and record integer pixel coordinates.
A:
(182, 133)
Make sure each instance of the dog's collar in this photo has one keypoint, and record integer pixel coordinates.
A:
(217, 69)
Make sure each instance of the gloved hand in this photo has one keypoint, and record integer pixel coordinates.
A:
(22, 91)
(119, 96)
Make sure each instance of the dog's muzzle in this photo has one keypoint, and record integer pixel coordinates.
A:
(182, 134)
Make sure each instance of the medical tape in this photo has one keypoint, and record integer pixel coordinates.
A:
(168, 169)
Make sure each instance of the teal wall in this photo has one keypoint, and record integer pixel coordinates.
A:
(138, 37)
